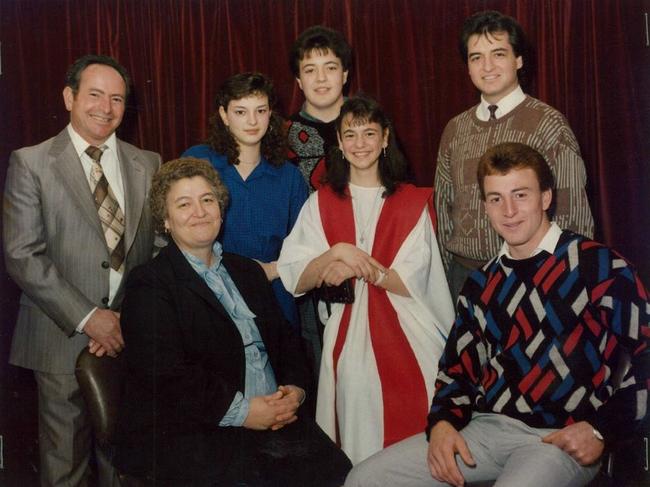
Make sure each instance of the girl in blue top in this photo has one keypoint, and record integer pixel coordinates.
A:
(247, 145)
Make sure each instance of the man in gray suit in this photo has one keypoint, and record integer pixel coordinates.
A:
(75, 222)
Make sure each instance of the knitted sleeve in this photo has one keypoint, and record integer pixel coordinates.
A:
(444, 193)
(572, 211)
(459, 382)
(624, 308)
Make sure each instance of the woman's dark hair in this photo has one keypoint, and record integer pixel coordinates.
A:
(362, 109)
(274, 142)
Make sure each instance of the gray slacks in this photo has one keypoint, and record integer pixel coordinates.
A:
(65, 436)
(505, 450)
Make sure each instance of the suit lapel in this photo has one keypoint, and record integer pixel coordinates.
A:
(134, 180)
(197, 286)
(67, 166)
(184, 272)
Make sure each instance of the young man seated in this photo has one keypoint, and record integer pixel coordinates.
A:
(526, 393)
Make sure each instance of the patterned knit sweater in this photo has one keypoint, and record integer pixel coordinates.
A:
(309, 141)
(463, 228)
(540, 340)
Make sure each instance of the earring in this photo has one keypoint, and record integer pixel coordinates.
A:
(384, 152)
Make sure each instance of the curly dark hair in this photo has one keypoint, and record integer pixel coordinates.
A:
(393, 168)
(274, 142)
(172, 171)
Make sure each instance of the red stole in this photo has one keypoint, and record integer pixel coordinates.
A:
(403, 387)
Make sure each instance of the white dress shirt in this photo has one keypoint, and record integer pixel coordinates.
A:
(548, 243)
(505, 105)
(111, 166)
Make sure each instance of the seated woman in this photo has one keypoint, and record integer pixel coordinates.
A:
(380, 353)
(215, 377)
(248, 147)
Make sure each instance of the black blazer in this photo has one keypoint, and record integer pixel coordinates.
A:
(185, 361)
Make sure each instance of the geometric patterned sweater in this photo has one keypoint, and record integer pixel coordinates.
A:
(309, 140)
(463, 227)
(541, 340)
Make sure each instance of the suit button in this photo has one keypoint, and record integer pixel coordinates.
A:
(105, 300)
(105, 265)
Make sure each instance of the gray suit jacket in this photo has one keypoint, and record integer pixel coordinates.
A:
(55, 248)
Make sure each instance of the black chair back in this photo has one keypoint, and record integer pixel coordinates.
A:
(101, 380)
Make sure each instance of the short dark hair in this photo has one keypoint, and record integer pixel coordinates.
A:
(491, 22)
(321, 39)
(73, 76)
(242, 85)
(392, 164)
(172, 171)
(508, 156)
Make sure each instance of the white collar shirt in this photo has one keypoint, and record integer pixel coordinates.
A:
(548, 243)
(505, 105)
(110, 162)
(111, 167)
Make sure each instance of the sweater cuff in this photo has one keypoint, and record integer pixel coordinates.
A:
(458, 422)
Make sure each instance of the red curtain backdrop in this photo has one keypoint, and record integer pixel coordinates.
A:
(592, 63)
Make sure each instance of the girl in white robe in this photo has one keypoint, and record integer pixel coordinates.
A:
(381, 352)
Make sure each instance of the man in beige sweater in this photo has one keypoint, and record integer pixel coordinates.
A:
(494, 47)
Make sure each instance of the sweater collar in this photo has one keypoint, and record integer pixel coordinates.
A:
(548, 243)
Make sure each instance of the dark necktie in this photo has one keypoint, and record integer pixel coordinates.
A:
(109, 210)
(493, 111)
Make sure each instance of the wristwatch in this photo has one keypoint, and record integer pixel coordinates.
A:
(597, 434)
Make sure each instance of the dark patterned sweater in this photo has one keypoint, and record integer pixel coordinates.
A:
(309, 141)
(541, 339)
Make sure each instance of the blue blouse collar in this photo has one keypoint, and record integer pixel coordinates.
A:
(201, 266)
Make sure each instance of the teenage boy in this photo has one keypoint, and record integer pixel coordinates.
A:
(320, 60)
(494, 47)
(548, 362)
